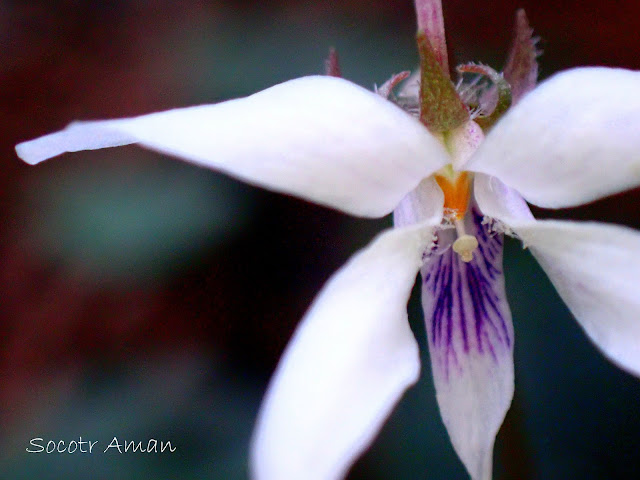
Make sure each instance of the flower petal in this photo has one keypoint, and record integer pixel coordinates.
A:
(499, 202)
(76, 137)
(348, 363)
(423, 204)
(321, 138)
(596, 270)
(470, 343)
(570, 141)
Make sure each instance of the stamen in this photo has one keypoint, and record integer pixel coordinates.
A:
(465, 244)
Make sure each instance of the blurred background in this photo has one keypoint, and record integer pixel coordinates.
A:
(141, 297)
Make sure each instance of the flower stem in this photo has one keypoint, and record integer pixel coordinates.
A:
(431, 22)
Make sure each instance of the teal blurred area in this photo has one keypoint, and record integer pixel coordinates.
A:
(120, 223)
(141, 297)
(169, 398)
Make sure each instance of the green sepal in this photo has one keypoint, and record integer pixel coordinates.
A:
(502, 86)
(441, 109)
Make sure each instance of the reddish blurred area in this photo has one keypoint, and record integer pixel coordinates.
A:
(65, 60)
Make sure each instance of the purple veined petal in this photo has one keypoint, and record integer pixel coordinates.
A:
(571, 140)
(324, 139)
(596, 269)
(351, 358)
(470, 338)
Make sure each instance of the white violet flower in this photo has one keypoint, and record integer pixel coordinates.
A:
(454, 194)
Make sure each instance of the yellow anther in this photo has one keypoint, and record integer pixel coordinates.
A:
(464, 246)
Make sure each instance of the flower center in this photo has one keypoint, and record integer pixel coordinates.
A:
(456, 184)
(456, 189)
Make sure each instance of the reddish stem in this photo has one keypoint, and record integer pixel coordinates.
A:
(431, 22)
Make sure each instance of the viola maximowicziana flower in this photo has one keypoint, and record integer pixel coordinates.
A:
(456, 164)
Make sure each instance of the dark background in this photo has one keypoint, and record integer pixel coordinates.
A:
(141, 297)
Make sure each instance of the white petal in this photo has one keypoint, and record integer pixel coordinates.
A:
(321, 138)
(76, 137)
(594, 267)
(498, 201)
(470, 343)
(348, 363)
(423, 204)
(570, 141)
(596, 270)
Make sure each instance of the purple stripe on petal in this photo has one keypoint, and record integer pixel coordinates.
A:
(470, 339)
(465, 305)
